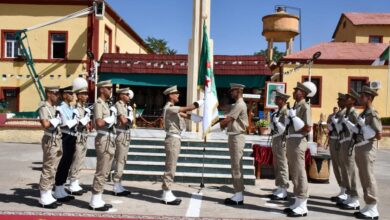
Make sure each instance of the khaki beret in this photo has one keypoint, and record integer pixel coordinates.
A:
(369, 91)
(282, 95)
(171, 90)
(236, 86)
(106, 83)
(302, 87)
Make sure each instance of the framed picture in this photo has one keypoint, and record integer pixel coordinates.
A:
(270, 93)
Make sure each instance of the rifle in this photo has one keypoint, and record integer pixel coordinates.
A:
(354, 135)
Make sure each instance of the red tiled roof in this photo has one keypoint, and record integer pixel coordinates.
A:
(340, 52)
(177, 64)
(368, 18)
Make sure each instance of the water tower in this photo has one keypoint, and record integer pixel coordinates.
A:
(280, 27)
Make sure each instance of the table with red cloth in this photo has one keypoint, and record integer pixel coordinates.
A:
(263, 156)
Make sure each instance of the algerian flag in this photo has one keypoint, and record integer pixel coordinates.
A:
(380, 61)
(206, 79)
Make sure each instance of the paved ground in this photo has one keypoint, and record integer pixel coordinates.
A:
(20, 169)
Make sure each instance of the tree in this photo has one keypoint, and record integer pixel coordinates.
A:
(277, 55)
(159, 46)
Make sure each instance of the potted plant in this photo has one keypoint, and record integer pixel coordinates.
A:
(262, 126)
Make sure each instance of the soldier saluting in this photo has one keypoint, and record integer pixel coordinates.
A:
(51, 146)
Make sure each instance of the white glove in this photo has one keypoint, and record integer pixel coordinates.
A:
(286, 120)
(84, 121)
(361, 121)
(334, 120)
(275, 119)
(113, 110)
(76, 112)
(196, 118)
(351, 126)
(87, 110)
(368, 132)
(110, 120)
(199, 103)
(55, 122)
(292, 112)
(281, 127)
(71, 123)
(131, 94)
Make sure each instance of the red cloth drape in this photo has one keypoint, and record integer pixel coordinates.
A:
(263, 155)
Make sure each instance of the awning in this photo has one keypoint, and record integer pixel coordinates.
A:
(165, 80)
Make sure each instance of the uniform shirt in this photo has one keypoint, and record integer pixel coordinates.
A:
(101, 111)
(47, 112)
(239, 113)
(339, 115)
(173, 122)
(303, 112)
(372, 119)
(66, 111)
(282, 114)
(122, 110)
(81, 109)
(352, 117)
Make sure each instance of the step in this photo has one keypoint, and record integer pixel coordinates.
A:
(186, 150)
(186, 167)
(136, 175)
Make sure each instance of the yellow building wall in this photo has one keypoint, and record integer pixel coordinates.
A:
(363, 33)
(347, 34)
(335, 79)
(120, 37)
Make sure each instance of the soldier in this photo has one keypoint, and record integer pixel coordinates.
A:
(122, 141)
(104, 119)
(348, 173)
(300, 120)
(51, 146)
(174, 124)
(368, 129)
(84, 115)
(236, 122)
(278, 126)
(334, 146)
(68, 130)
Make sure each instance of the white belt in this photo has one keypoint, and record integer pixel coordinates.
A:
(345, 140)
(333, 137)
(361, 143)
(234, 133)
(173, 135)
(106, 133)
(295, 136)
(68, 132)
(122, 130)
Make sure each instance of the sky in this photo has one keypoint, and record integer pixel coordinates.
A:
(236, 25)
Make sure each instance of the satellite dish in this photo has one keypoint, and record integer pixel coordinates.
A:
(312, 87)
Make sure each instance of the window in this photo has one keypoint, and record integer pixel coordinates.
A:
(344, 24)
(58, 45)
(357, 83)
(107, 40)
(11, 45)
(375, 39)
(317, 80)
(117, 49)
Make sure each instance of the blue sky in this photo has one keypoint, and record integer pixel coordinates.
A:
(236, 24)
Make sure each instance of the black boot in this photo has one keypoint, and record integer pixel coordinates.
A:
(229, 201)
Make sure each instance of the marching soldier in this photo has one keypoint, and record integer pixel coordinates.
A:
(104, 119)
(84, 115)
(51, 147)
(236, 123)
(300, 120)
(368, 129)
(174, 124)
(334, 128)
(347, 166)
(68, 130)
(278, 127)
(122, 141)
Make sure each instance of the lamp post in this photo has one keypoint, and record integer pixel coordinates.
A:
(300, 20)
(91, 56)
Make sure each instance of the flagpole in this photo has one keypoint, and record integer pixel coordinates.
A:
(388, 82)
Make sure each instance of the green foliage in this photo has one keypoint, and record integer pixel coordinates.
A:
(277, 55)
(159, 46)
(262, 123)
(386, 121)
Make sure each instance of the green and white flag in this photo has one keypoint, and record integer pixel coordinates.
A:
(206, 79)
(380, 61)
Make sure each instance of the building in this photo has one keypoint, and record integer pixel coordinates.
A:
(150, 74)
(59, 50)
(345, 62)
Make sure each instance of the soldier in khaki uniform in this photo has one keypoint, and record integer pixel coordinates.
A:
(348, 172)
(236, 122)
(174, 124)
(278, 127)
(122, 141)
(51, 146)
(84, 115)
(299, 127)
(368, 129)
(334, 127)
(104, 118)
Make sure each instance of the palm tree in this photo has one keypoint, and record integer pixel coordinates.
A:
(159, 46)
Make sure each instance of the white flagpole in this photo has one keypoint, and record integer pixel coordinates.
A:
(388, 82)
